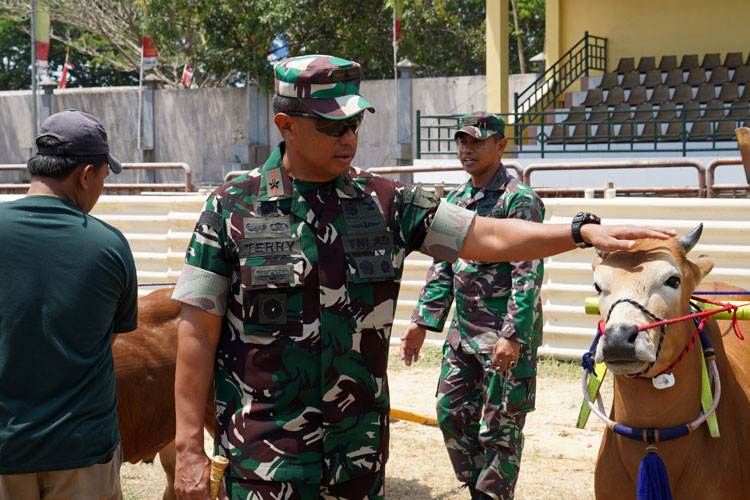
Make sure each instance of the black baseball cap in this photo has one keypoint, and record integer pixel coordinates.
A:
(80, 134)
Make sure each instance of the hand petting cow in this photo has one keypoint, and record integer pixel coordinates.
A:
(145, 367)
(663, 407)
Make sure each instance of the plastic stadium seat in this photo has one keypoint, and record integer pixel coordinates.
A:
(637, 96)
(696, 76)
(682, 94)
(691, 110)
(729, 92)
(719, 75)
(739, 109)
(582, 132)
(706, 92)
(673, 132)
(668, 63)
(646, 64)
(615, 96)
(741, 75)
(593, 98)
(630, 80)
(621, 113)
(609, 80)
(558, 134)
(626, 64)
(674, 77)
(733, 60)
(714, 109)
(725, 130)
(689, 62)
(710, 61)
(700, 131)
(643, 112)
(659, 95)
(653, 78)
(667, 113)
(598, 114)
(745, 94)
(577, 114)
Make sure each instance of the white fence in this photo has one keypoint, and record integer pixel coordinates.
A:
(158, 228)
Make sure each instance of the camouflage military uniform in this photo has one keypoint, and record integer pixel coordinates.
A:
(492, 300)
(306, 276)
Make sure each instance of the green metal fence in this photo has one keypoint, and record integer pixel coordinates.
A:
(599, 131)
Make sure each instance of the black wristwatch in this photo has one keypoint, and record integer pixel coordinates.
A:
(579, 220)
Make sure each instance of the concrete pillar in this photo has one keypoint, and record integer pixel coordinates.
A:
(49, 86)
(150, 84)
(403, 149)
(258, 120)
(497, 56)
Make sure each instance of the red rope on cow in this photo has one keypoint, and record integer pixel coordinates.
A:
(703, 314)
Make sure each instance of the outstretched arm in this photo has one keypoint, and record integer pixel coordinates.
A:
(503, 240)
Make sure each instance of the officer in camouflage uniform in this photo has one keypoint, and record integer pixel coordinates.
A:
(498, 309)
(288, 294)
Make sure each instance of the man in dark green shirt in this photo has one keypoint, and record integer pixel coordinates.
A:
(68, 284)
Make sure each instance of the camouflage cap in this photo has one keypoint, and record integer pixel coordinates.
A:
(327, 85)
(480, 125)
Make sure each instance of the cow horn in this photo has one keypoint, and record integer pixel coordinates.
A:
(689, 240)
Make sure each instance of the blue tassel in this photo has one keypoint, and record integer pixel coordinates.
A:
(653, 481)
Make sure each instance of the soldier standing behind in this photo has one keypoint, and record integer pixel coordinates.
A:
(498, 315)
(289, 290)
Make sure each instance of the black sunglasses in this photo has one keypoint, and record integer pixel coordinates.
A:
(334, 128)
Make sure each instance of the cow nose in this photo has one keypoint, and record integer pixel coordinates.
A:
(618, 342)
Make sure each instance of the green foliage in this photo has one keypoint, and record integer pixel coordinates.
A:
(531, 23)
(228, 42)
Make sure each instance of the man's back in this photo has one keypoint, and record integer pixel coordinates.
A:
(68, 282)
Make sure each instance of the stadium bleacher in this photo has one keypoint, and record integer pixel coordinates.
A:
(699, 99)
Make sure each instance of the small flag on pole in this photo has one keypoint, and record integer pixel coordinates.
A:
(187, 75)
(42, 37)
(398, 8)
(66, 67)
(148, 53)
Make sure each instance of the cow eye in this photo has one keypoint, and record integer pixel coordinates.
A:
(673, 282)
(597, 288)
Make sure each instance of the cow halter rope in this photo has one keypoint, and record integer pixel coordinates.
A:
(653, 482)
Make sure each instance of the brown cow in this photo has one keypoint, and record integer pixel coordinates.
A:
(658, 276)
(145, 367)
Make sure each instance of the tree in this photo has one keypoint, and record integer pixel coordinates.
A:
(527, 31)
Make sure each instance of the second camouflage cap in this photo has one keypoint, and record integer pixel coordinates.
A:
(480, 125)
(327, 85)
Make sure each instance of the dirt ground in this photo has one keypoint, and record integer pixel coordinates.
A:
(558, 459)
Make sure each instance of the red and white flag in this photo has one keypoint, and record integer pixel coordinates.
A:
(66, 67)
(187, 75)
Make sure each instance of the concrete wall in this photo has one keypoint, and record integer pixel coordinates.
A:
(159, 229)
(203, 127)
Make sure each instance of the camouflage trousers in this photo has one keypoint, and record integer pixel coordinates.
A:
(481, 414)
(369, 487)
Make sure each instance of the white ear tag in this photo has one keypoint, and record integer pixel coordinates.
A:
(663, 381)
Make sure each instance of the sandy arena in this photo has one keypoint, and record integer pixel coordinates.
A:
(558, 459)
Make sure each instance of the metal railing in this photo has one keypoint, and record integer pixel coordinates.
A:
(576, 131)
(590, 53)
(186, 186)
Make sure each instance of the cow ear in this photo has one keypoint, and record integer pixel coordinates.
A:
(705, 264)
(597, 260)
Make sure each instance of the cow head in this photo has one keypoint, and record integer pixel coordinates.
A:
(657, 275)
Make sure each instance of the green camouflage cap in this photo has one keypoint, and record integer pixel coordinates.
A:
(327, 85)
(480, 125)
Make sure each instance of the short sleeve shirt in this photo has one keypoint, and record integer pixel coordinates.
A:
(306, 276)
